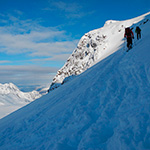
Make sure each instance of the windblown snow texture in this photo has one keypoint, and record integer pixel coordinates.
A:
(107, 107)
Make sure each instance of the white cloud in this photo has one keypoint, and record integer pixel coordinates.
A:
(34, 41)
(67, 7)
(71, 10)
(26, 36)
(62, 57)
(27, 75)
(4, 61)
(16, 44)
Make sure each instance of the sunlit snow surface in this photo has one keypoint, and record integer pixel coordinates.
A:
(107, 107)
(11, 98)
(93, 47)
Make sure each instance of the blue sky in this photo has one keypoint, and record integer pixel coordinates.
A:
(41, 34)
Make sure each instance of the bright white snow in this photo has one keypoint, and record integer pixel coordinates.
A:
(11, 98)
(93, 47)
(107, 107)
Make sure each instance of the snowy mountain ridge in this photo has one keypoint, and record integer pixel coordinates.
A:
(93, 47)
(7, 88)
(11, 98)
(10, 88)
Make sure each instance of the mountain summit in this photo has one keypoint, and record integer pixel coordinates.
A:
(107, 107)
(93, 47)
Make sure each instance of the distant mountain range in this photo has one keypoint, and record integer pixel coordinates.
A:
(11, 98)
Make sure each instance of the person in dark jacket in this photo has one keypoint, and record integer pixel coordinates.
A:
(138, 32)
(129, 36)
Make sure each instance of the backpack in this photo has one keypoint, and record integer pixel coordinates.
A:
(128, 32)
(138, 30)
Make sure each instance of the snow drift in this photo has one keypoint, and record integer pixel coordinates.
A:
(107, 107)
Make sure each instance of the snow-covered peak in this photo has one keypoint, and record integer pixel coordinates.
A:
(108, 22)
(11, 98)
(93, 47)
(10, 88)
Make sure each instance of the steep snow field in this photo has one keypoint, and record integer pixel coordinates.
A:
(93, 47)
(11, 98)
(107, 107)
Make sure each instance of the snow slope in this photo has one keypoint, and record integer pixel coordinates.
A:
(107, 107)
(93, 47)
(11, 98)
